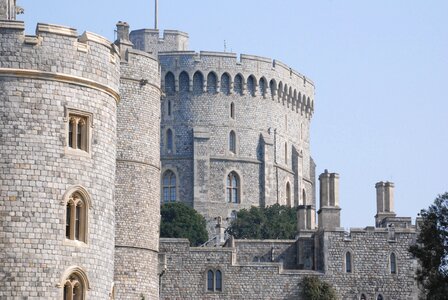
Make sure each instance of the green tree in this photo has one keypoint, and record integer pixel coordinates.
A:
(181, 221)
(273, 222)
(431, 250)
(316, 289)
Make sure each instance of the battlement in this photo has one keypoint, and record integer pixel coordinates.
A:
(149, 40)
(247, 75)
(58, 53)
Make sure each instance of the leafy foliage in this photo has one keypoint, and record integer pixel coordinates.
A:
(272, 222)
(182, 221)
(432, 250)
(316, 289)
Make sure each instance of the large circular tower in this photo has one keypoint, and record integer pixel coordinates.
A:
(235, 134)
(58, 99)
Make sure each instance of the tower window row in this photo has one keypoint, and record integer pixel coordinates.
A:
(237, 85)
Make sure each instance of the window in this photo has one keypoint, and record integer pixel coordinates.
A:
(211, 83)
(232, 110)
(78, 130)
(74, 284)
(286, 153)
(214, 281)
(262, 86)
(288, 194)
(198, 83)
(76, 218)
(168, 108)
(273, 87)
(169, 84)
(251, 85)
(169, 187)
(232, 142)
(233, 184)
(363, 297)
(380, 297)
(393, 263)
(184, 82)
(348, 262)
(303, 197)
(225, 84)
(238, 84)
(169, 141)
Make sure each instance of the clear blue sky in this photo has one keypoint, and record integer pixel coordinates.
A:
(380, 69)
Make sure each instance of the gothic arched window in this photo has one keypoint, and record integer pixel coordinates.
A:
(262, 86)
(169, 84)
(75, 284)
(232, 141)
(214, 281)
(76, 217)
(233, 188)
(169, 187)
(198, 83)
(273, 88)
(169, 141)
(393, 263)
(251, 85)
(184, 82)
(238, 84)
(225, 83)
(348, 262)
(380, 297)
(211, 83)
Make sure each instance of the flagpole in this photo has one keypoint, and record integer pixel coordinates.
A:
(156, 14)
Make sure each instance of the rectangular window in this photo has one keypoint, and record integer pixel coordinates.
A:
(78, 132)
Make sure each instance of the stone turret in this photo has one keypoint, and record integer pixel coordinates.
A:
(329, 212)
(8, 10)
(384, 202)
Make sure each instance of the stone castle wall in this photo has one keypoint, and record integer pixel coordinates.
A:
(42, 78)
(138, 178)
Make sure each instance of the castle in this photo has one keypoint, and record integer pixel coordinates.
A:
(95, 135)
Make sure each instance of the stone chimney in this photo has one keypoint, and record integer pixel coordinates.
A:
(329, 214)
(384, 202)
(123, 41)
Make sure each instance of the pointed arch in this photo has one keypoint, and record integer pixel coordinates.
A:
(251, 85)
(273, 88)
(198, 83)
(238, 84)
(232, 141)
(262, 86)
(169, 187)
(233, 188)
(212, 83)
(184, 82)
(225, 83)
(169, 84)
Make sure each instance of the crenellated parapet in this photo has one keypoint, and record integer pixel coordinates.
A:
(222, 72)
(58, 53)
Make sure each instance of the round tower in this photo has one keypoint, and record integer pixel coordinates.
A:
(234, 133)
(58, 97)
(138, 173)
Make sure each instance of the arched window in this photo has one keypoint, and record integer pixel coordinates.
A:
(218, 280)
(280, 90)
(363, 297)
(76, 217)
(348, 262)
(78, 131)
(262, 86)
(393, 263)
(169, 84)
(210, 281)
(169, 186)
(251, 85)
(169, 141)
(232, 142)
(75, 284)
(380, 297)
(273, 87)
(225, 83)
(233, 186)
(198, 83)
(232, 110)
(211, 83)
(238, 84)
(288, 194)
(184, 82)
(214, 281)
